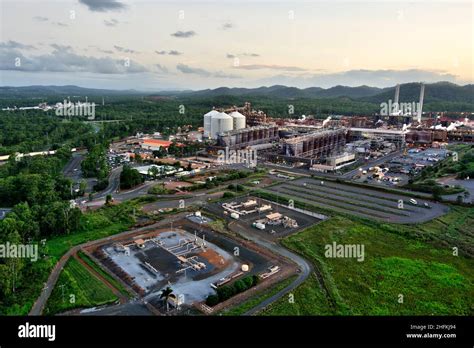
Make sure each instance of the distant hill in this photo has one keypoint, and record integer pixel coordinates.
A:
(48, 91)
(442, 95)
(434, 92)
(285, 92)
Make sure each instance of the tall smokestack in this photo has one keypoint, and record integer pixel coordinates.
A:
(395, 100)
(397, 94)
(420, 106)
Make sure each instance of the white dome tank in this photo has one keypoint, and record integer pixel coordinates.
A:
(207, 122)
(239, 119)
(221, 123)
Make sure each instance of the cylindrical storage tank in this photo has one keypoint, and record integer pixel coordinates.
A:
(207, 122)
(245, 268)
(221, 123)
(239, 119)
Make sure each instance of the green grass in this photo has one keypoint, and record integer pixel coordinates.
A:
(80, 285)
(94, 225)
(219, 225)
(262, 296)
(308, 299)
(399, 259)
(104, 274)
(158, 189)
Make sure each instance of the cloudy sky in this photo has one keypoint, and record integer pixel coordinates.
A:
(158, 45)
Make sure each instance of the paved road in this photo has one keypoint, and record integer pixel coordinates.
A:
(305, 269)
(114, 183)
(112, 187)
(467, 184)
(73, 168)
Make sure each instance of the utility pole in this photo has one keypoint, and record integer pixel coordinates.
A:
(62, 290)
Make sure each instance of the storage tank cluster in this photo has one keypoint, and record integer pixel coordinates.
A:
(216, 122)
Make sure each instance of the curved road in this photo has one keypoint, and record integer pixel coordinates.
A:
(305, 270)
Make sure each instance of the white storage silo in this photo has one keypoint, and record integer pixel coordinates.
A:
(207, 123)
(221, 123)
(238, 119)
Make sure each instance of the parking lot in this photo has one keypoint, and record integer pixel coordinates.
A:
(278, 220)
(360, 201)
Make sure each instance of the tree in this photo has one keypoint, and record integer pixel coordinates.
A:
(437, 193)
(130, 178)
(256, 279)
(225, 292)
(248, 282)
(153, 172)
(108, 199)
(240, 286)
(95, 164)
(165, 295)
(212, 300)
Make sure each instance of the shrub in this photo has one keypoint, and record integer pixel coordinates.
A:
(101, 185)
(255, 280)
(225, 292)
(240, 286)
(212, 300)
(248, 282)
(228, 194)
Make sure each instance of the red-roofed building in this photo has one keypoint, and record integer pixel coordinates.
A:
(155, 144)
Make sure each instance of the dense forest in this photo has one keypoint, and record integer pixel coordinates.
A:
(39, 195)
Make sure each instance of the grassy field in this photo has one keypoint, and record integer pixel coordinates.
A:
(104, 274)
(309, 299)
(262, 296)
(94, 225)
(415, 261)
(79, 285)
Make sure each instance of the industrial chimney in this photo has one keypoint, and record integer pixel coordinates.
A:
(420, 104)
(395, 101)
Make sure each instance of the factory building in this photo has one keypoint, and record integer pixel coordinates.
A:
(155, 144)
(394, 136)
(425, 136)
(240, 138)
(464, 133)
(253, 117)
(315, 145)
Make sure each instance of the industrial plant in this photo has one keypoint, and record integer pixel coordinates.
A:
(329, 144)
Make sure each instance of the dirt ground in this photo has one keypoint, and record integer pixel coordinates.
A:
(176, 184)
(213, 257)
